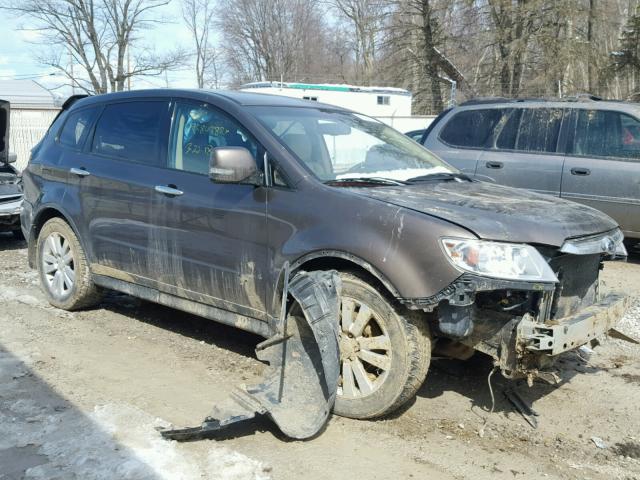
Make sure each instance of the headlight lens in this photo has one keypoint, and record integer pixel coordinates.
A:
(509, 261)
(610, 243)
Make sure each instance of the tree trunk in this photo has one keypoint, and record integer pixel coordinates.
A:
(430, 59)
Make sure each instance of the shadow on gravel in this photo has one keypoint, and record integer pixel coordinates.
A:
(469, 379)
(185, 324)
(9, 242)
(45, 435)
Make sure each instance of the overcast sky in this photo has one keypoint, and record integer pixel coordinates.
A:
(19, 48)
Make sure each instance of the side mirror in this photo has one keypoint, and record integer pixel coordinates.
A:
(12, 158)
(234, 165)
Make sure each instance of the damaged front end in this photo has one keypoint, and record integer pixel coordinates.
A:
(524, 325)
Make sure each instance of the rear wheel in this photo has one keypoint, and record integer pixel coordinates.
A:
(385, 352)
(63, 268)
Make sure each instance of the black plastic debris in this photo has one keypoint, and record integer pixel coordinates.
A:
(299, 387)
(528, 413)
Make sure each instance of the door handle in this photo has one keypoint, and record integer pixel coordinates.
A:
(81, 172)
(494, 165)
(580, 171)
(168, 190)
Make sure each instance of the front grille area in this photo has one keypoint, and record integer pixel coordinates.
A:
(578, 287)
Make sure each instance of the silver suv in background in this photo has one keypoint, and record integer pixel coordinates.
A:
(585, 149)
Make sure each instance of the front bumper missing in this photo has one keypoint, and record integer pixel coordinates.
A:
(558, 336)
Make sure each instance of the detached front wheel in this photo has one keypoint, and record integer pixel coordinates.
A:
(385, 352)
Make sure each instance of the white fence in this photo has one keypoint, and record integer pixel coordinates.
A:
(27, 129)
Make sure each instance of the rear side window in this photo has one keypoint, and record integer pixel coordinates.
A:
(508, 131)
(471, 128)
(539, 130)
(131, 131)
(76, 128)
(601, 133)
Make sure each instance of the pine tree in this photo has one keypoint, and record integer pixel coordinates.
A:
(627, 58)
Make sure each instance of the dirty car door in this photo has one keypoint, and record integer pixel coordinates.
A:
(116, 179)
(211, 237)
(602, 168)
(460, 139)
(523, 153)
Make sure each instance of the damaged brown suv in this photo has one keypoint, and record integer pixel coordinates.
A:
(199, 199)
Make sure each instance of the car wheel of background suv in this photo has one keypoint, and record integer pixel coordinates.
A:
(63, 268)
(384, 352)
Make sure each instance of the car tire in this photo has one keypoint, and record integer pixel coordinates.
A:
(63, 268)
(384, 363)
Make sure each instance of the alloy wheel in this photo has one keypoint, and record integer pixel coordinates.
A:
(365, 350)
(58, 265)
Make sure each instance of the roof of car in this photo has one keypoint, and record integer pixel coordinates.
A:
(241, 98)
(585, 101)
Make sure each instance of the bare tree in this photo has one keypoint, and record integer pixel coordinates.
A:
(416, 44)
(366, 21)
(199, 16)
(267, 39)
(98, 35)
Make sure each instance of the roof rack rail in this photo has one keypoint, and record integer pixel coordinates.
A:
(580, 97)
(488, 100)
(584, 97)
(483, 100)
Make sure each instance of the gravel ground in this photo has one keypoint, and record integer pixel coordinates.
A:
(81, 393)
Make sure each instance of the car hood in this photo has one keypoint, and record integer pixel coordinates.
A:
(496, 212)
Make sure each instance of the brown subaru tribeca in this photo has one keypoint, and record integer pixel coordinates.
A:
(198, 199)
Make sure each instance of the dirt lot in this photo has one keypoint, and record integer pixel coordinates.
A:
(80, 395)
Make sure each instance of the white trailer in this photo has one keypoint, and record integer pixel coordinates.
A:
(388, 104)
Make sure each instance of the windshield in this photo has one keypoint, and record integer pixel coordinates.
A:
(337, 145)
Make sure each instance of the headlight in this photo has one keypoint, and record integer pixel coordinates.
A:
(610, 243)
(509, 261)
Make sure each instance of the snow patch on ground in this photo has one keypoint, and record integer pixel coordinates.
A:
(115, 441)
(120, 441)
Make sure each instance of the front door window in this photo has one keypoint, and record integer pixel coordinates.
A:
(197, 130)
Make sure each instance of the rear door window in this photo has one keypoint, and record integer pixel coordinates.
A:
(198, 129)
(508, 130)
(471, 128)
(601, 133)
(132, 131)
(539, 130)
(76, 128)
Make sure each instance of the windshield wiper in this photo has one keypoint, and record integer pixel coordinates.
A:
(437, 177)
(376, 180)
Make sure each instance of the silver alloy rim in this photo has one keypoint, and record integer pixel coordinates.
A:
(365, 350)
(58, 265)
